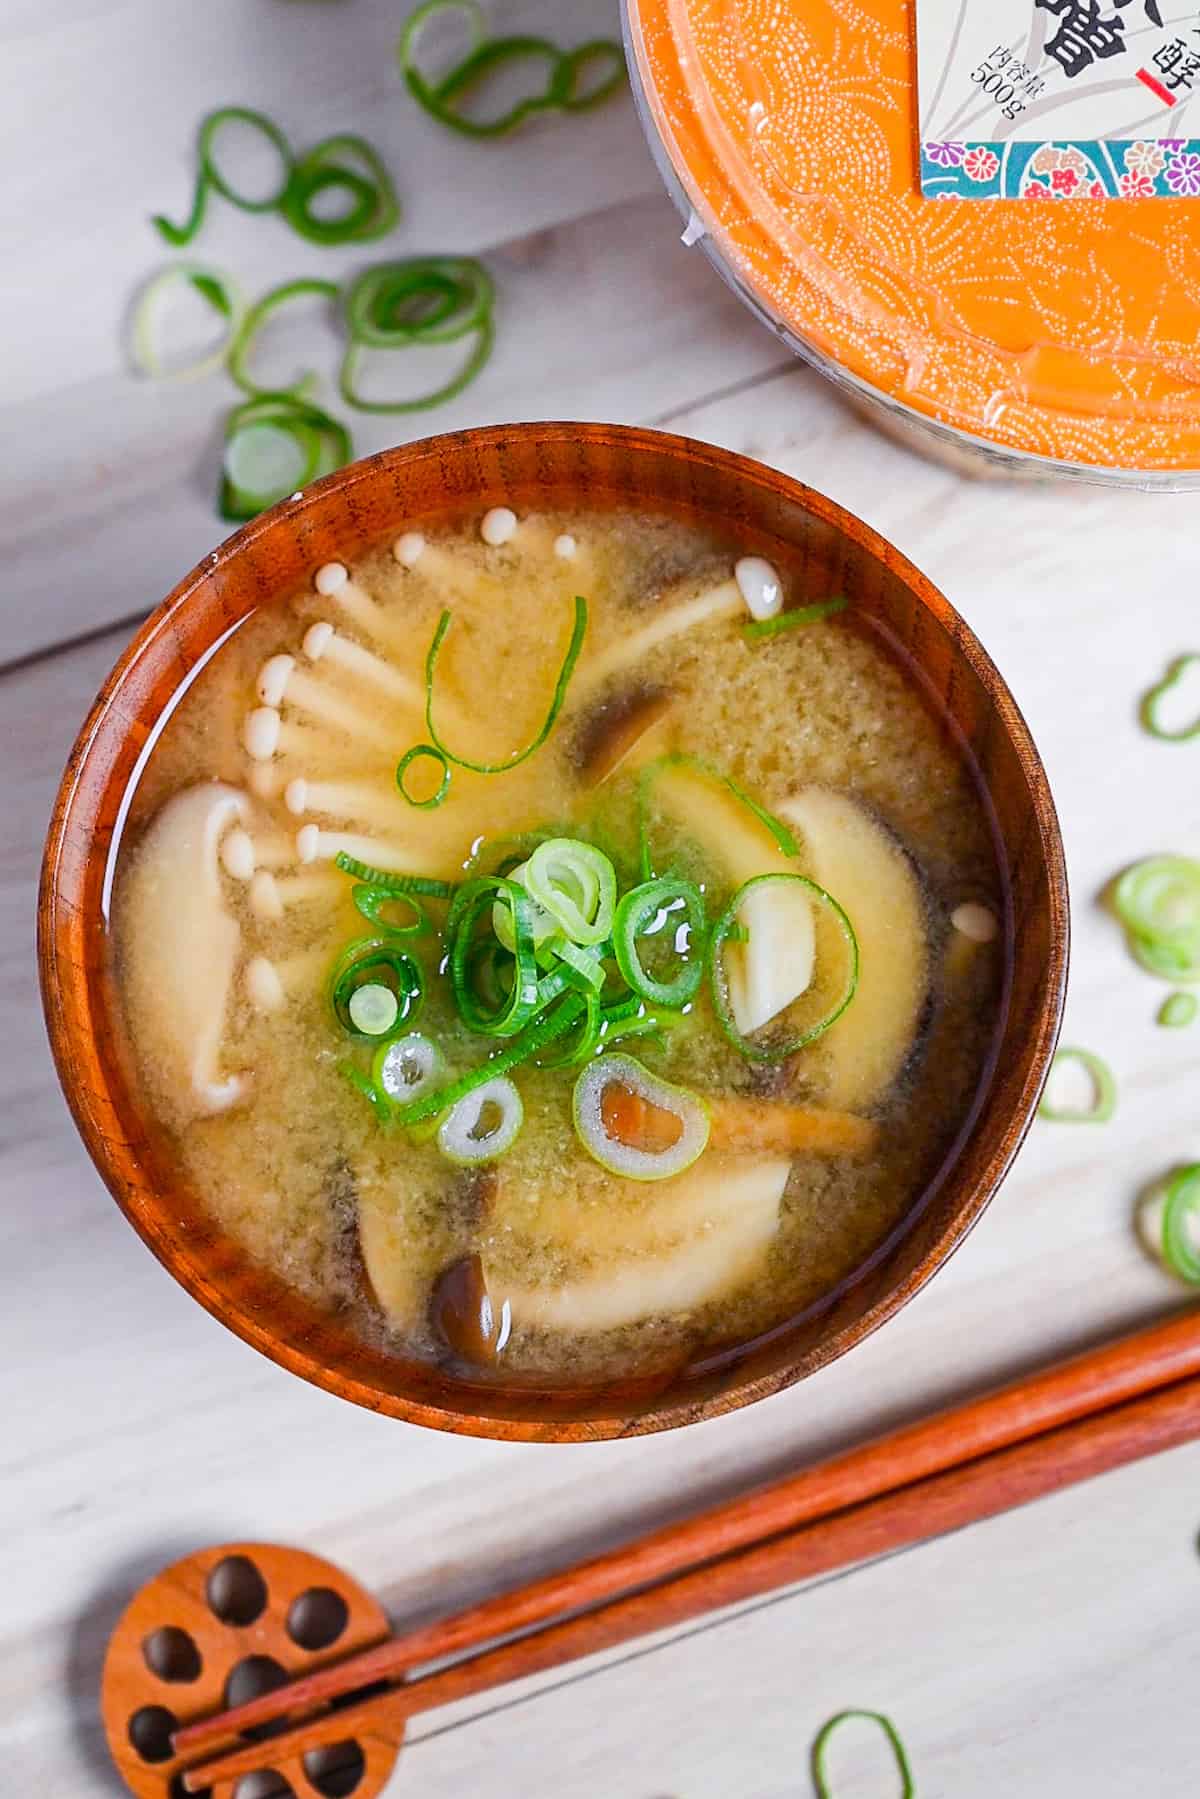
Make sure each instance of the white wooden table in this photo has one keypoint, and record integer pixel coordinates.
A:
(1053, 1651)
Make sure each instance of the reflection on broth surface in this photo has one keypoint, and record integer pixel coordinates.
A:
(618, 1054)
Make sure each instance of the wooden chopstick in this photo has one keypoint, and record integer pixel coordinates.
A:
(1105, 1376)
(925, 1508)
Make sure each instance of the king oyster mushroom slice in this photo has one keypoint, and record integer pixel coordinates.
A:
(858, 860)
(179, 948)
(728, 1215)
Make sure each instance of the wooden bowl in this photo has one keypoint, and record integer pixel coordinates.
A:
(437, 481)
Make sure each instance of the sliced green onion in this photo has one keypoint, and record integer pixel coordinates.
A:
(257, 471)
(407, 1067)
(381, 877)
(354, 1077)
(437, 396)
(208, 173)
(372, 208)
(576, 97)
(543, 1031)
(543, 926)
(467, 1135)
(415, 304)
(586, 970)
(591, 1027)
(1151, 702)
(373, 961)
(796, 615)
(757, 1050)
(649, 1025)
(1104, 1090)
(1178, 1010)
(562, 88)
(516, 1008)
(578, 632)
(261, 460)
(590, 1111)
(680, 759)
(373, 1009)
(1181, 1217)
(821, 1743)
(406, 761)
(371, 901)
(1158, 902)
(576, 885)
(672, 904)
(220, 292)
(425, 299)
(256, 318)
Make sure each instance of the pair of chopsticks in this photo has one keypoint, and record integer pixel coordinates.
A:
(1131, 1398)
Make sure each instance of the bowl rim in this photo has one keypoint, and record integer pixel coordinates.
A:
(666, 1413)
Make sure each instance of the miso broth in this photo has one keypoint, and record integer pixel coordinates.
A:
(713, 1088)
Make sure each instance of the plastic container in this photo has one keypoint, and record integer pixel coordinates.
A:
(1060, 339)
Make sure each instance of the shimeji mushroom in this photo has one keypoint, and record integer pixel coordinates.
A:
(670, 619)
(179, 948)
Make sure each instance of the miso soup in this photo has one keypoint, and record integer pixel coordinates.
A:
(564, 944)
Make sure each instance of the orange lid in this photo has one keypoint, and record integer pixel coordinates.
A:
(1069, 331)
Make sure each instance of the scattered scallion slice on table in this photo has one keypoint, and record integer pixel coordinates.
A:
(416, 304)
(274, 445)
(571, 80)
(1178, 1010)
(1157, 699)
(370, 208)
(216, 289)
(345, 165)
(209, 175)
(1103, 1101)
(820, 1751)
(1158, 902)
(253, 322)
(1181, 1223)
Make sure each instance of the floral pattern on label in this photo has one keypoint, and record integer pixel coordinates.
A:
(1109, 169)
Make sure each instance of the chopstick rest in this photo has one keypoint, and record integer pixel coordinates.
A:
(224, 1626)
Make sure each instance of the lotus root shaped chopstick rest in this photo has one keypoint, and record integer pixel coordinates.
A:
(222, 1627)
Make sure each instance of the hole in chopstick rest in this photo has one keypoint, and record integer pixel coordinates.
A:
(150, 1731)
(171, 1654)
(317, 1618)
(335, 1769)
(250, 1679)
(264, 1783)
(236, 1591)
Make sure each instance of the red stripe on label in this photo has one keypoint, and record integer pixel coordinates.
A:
(1156, 87)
